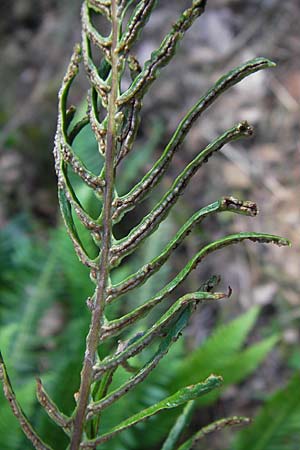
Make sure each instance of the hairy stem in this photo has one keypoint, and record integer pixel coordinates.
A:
(98, 307)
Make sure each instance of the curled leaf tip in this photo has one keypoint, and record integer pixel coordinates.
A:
(218, 379)
(236, 420)
(271, 63)
(221, 295)
(267, 63)
(282, 242)
(77, 49)
(264, 238)
(246, 128)
(251, 208)
(247, 419)
(247, 207)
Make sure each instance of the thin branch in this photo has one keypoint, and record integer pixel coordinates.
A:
(65, 186)
(134, 66)
(123, 6)
(62, 124)
(102, 87)
(99, 129)
(211, 428)
(63, 150)
(182, 421)
(51, 409)
(101, 7)
(66, 211)
(17, 411)
(133, 122)
(77, 129)
(135, 24)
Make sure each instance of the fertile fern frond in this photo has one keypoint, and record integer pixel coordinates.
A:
(211, 428)
(113, 115)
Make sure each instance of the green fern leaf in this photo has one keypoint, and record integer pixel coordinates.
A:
(276, 427)
(179, 426)
(223, 353)
(184, 395)
(216, 351)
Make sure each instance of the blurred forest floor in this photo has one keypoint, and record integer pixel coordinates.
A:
(36, 40)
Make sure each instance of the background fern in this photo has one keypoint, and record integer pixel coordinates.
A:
(276, 426)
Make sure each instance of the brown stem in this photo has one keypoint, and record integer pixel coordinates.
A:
(97, 314)
(17, 410)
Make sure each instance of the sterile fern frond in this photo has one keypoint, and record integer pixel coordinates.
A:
(276, 427)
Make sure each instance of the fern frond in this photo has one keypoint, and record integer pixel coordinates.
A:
(17, 410)
(113, 115)
(179, 426)
(135, 25)
(211, 428)
(184, 395)
(51, 408)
